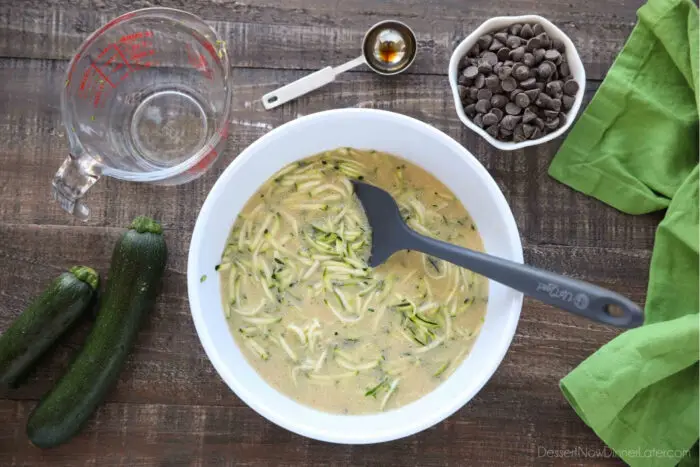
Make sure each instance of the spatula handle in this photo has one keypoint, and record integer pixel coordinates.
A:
(575, 296)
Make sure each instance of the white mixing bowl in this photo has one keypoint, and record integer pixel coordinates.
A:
(415, 141)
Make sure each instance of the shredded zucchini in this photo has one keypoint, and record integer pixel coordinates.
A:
(307, 241)
(390, 392)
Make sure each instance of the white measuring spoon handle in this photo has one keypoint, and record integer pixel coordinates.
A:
(307, 84)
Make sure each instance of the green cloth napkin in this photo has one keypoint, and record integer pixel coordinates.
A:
(636, 149)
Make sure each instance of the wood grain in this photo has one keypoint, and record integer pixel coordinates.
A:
(318, 41)
(169, 407)
(35, 145)
(193, 435)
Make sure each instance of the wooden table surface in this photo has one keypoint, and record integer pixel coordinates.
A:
(170, 407)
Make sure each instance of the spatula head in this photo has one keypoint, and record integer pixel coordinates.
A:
(389, 231)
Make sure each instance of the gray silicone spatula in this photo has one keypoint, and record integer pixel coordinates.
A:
(391, 234)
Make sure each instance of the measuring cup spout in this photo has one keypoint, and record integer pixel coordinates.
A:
(75, 176)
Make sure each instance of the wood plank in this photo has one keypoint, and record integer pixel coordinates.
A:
(311, 12)
(169, 365)
(169, 407)
(35, 143)
(312, 35)
(487, 433)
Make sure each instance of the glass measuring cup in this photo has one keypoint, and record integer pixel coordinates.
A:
(147, 98)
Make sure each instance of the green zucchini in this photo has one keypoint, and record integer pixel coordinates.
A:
(137, 266)
(40, 325)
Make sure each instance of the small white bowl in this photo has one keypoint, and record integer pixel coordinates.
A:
(415, 141)
(500, 22)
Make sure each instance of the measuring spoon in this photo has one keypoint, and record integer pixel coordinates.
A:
(388, 48)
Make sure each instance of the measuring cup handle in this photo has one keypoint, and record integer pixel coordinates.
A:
(75, 177)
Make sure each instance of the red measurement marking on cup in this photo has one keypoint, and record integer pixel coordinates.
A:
(114, 64)
(202, 165)
(199, 62)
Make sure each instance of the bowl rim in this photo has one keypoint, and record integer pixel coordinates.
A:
(485, 27)
(238, 386)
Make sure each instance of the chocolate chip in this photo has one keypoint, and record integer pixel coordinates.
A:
(539, 123)
(558, 44)
(473, 92)
(508, 63)
(517, 54)
(564, 70)
(539, 55)
(484, 94)
(492, 130)
(550, 114)
(504, 72)
(509, 84)
(536, 134)
(545, 69)
(529, 59)
(504, 133)
(490, 58)
(555, 104)
(528, 130)
(470, 72)
(513, 109)
(518, 135)
(484, 67)
(496, 45)
(514, 42)
(529, 116)
(571, 87)
(502, 37)
(470, 110)
(526, 32)
(537, 29)
(490, 119)
(533, 44)
(544, 39)
(562, 119)
(493, 83)
(553, 55)
(479, 81)
(552, 124)
(498, 113)
(484, 41)
(510, 121)
(483, 106)
(532, 94)
(567, 102)
(499, 101)
(474, 51)
(529, 83)
(503, 54)
(522, 100)
(521, 72)
(543, 101)
(516, 29)
(554, 88)
(463, 92)
(463, 80)
(478, 120)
